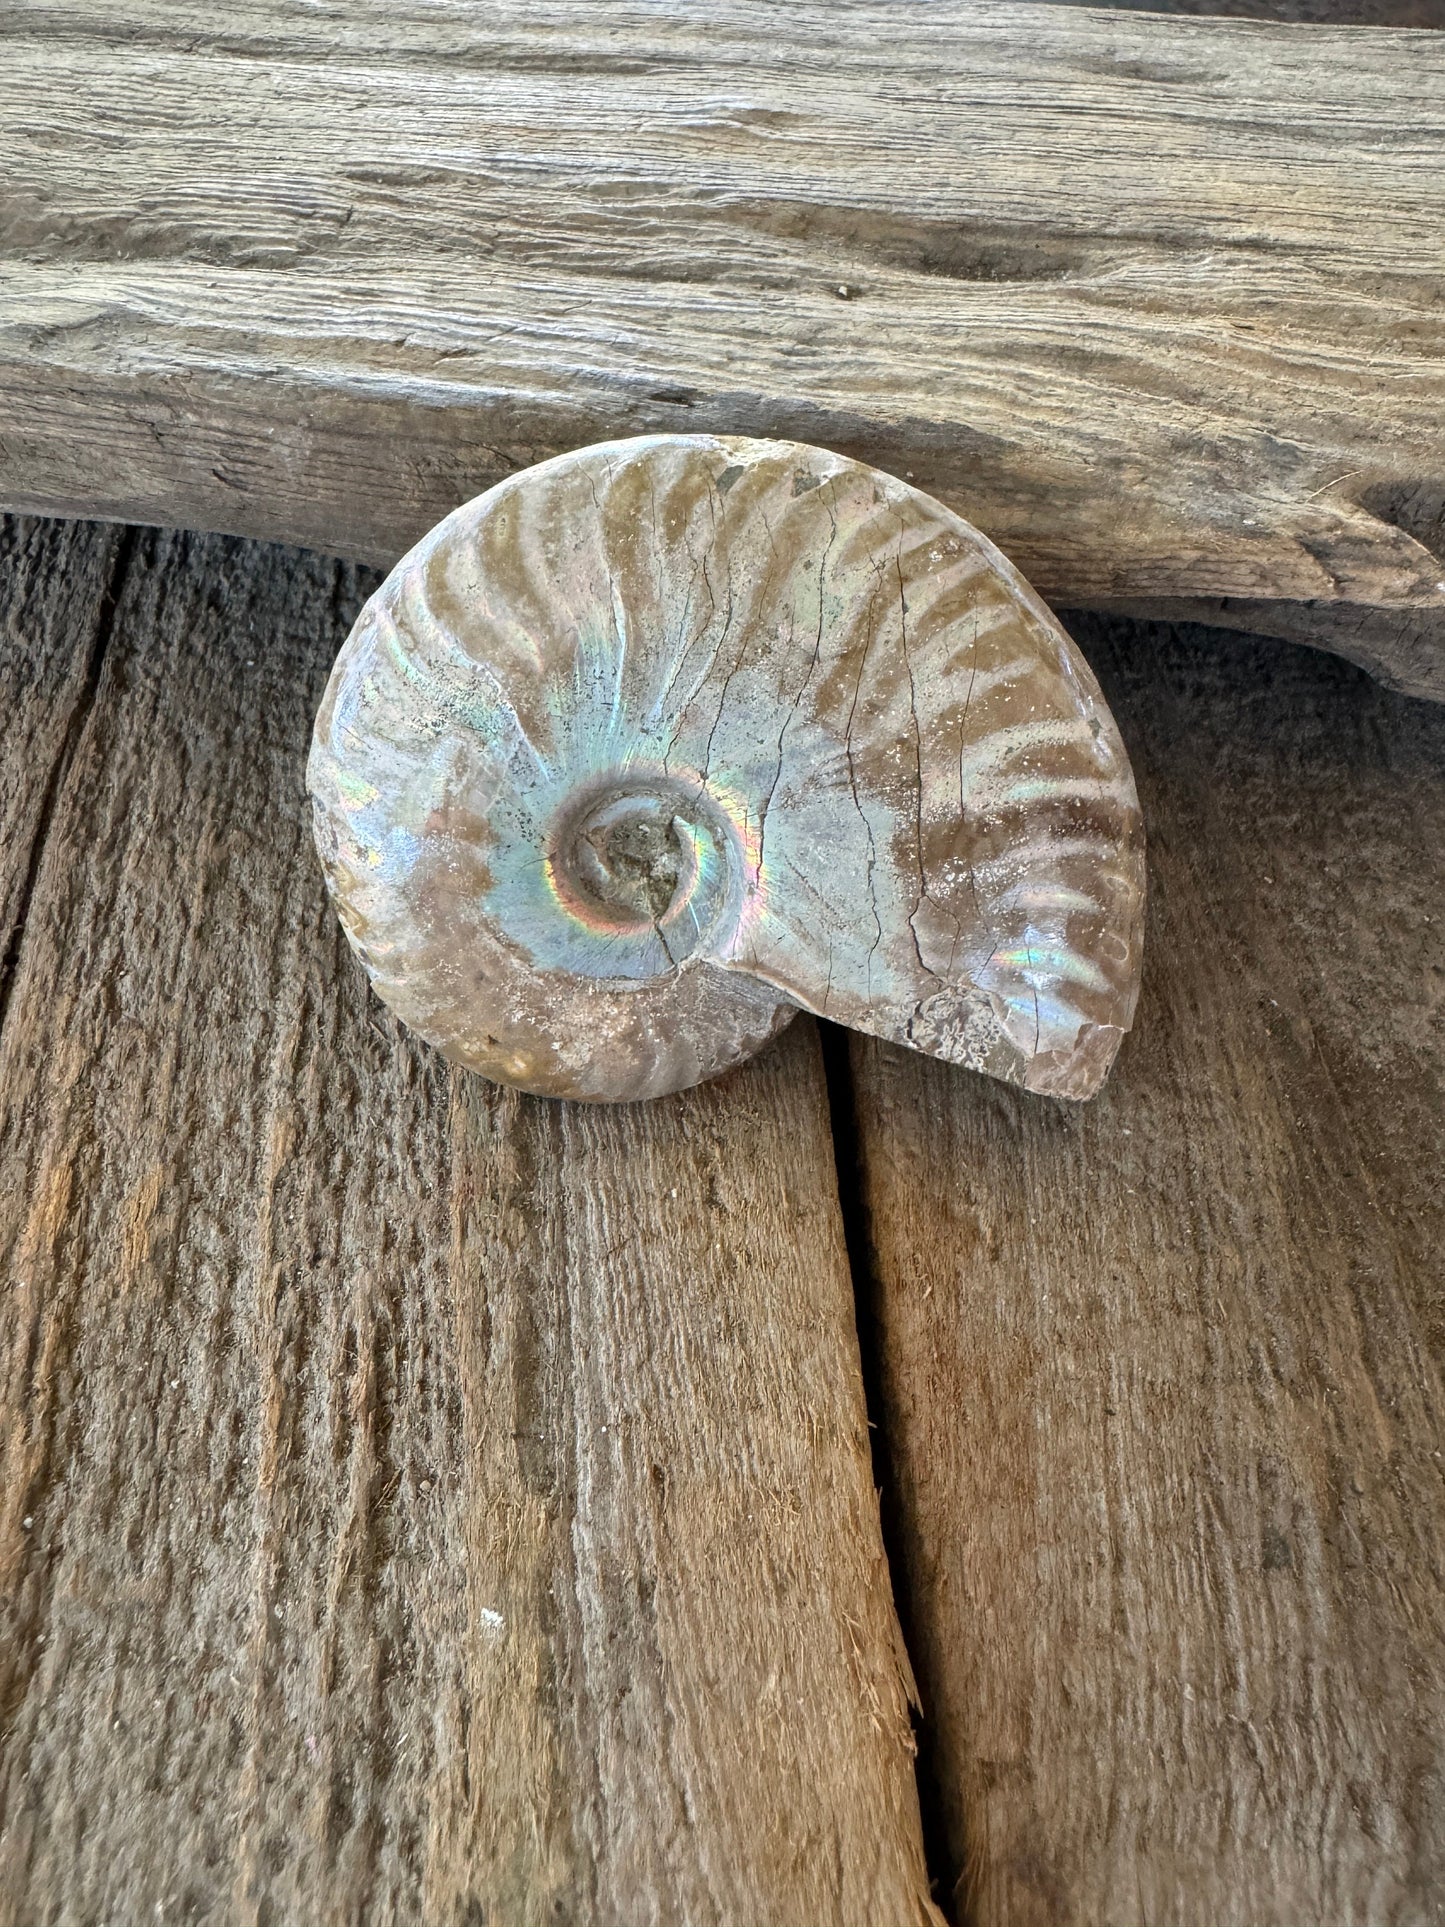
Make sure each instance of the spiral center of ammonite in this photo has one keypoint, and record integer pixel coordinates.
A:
(631, 856)
(648, 863)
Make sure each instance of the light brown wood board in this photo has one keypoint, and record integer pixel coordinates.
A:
(1156, 302)
(417, 1502)
(1159, 1379)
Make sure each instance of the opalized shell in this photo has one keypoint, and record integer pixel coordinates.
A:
(658, 742)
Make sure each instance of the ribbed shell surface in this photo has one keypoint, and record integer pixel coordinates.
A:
(659, 741)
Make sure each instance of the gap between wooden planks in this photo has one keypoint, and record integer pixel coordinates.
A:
(417, 1502)
(1156, 302)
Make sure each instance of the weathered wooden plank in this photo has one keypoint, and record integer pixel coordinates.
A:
(1160, 1378)
(1402, 648)
(53, 608)
(416, 1502)
(1329, 13)
(1156, 303)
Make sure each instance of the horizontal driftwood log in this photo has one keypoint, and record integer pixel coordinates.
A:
(1157, 303)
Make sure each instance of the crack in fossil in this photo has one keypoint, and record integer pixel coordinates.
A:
(811, 671)
(986, 921)
(869, 631)
(685, 646)
(923, 896)
(742, 646)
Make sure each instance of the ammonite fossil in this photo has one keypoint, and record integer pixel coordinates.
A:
(656, 743)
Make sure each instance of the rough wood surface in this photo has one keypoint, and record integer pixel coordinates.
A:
(1330, 13)
(1402, 648)
(1160, 1378)
(1157, 303)
(54, 603)
(416, 1502)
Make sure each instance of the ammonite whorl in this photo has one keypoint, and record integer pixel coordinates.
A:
(658, 742)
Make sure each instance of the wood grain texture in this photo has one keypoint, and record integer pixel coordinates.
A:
(54, 609)
(1160, 1378)
(1401, 648)
(416, 1502)
(1328, 13)
(1156, 303)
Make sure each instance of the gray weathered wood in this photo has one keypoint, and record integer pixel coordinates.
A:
(1329, 13)
(53, 606)
(416, 1502)
(1155, 302)
(1402, 648)
(1161, 1378)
